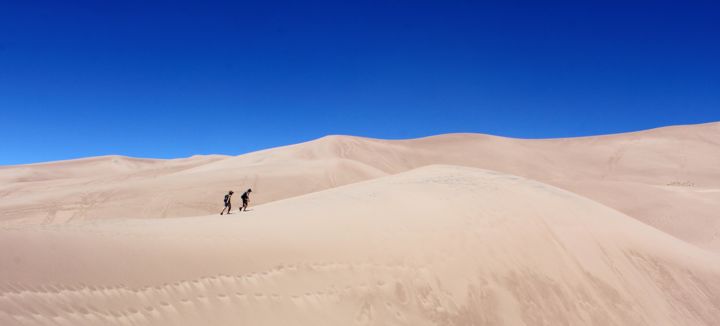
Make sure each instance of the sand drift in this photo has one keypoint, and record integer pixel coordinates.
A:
(447, 230)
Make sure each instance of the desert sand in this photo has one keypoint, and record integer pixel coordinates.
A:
(461, 229)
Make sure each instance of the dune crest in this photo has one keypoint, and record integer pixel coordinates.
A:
(441, 244)
(668, 178)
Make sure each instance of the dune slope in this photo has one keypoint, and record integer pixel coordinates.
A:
(668, 178)
(441, 245)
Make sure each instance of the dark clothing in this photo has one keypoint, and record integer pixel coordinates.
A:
(245, 197)
(227, 201)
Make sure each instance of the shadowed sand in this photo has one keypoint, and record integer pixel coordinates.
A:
(668, 178)
(438, 245)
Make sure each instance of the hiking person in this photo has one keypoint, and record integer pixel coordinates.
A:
(228, 205)
(245, 198)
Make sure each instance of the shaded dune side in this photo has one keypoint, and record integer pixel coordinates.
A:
(437, 245)
(668, 178)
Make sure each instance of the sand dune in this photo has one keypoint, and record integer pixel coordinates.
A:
(439, 245)
(668, 178)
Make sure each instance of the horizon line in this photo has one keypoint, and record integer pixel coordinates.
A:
(351, 136)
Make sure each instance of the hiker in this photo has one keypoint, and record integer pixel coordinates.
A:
(245, 198)
(228, 205)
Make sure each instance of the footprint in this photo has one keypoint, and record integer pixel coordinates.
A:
(401, 293)
(365, 315)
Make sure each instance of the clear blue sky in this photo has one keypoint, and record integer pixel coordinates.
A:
(176, 78)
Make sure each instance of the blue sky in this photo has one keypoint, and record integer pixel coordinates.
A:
(175, 78)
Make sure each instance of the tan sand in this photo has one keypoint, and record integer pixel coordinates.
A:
(668, 178)
(440, 245)
(617, 230)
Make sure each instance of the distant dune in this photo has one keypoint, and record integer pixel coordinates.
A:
(459, 229)
(668, 178)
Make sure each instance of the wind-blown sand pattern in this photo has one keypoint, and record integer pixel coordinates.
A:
(668, 178)
(447, 230)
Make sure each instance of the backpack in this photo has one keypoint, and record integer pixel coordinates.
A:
(227, 197)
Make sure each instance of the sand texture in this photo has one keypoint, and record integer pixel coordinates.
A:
(460, 229)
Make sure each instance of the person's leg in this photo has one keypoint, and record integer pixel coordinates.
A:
(229, 208)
